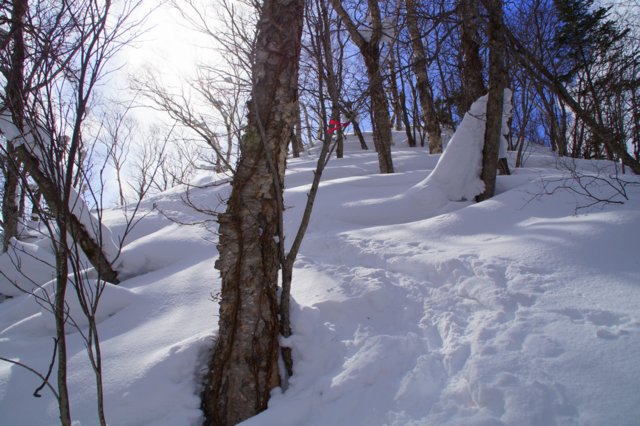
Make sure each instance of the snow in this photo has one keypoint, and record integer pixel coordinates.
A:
(7, 129)
(95, 228)
(410, 306)
(38, 306)
(39, 257)
(458, 171)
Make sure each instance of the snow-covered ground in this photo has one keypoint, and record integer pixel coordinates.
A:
(410, 309)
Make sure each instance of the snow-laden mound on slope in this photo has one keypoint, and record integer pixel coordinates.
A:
(457, 174)
(37, 307)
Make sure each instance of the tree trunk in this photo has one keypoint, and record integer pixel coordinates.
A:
(408, 128)
(15, 102)
(380, 109)
(358, 132)
(60, 310)
(303, 110)
(396, 101)
(9, 198)
(295, 149)
(51, 193)
(370, 51)
(244, 366)
(472, 82)
(298, 129)
(425, 92)
(495, 108)
(331, 76)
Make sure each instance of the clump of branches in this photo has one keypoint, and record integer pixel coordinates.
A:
(599, 185)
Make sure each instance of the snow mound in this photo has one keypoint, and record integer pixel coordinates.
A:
(25, 265)
(457, 174)
(39, 306)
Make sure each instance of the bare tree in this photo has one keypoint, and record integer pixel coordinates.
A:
(69, 45)
(425, 91)
(244, 366)
(370, 50)
(583, 79)
(471, 65)
(495, 102)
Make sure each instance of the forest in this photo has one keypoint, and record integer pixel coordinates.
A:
(344, 212)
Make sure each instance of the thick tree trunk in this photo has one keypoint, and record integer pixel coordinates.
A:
(244, 366)
(472, 82)
(425, 92)
(495, 108)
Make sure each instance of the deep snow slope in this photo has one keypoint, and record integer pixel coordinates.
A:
(410, 309)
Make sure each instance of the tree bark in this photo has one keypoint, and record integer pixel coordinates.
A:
(15, 102)
(472, 82)
(425, 91)
(370, 51)
(409, 129)
(396, 101)
(244, 366)
(495, 103)
(60, 314)
(358, 132)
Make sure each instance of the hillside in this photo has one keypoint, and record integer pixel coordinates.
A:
(409, 309)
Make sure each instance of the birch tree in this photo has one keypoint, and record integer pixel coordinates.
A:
(244, 366)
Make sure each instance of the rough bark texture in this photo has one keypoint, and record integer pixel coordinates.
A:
(425, 91)
(9, 198)
(380, 106)
(472, 83)
(370, 51)
(15, 103)
(244, 366)
(497, 84)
